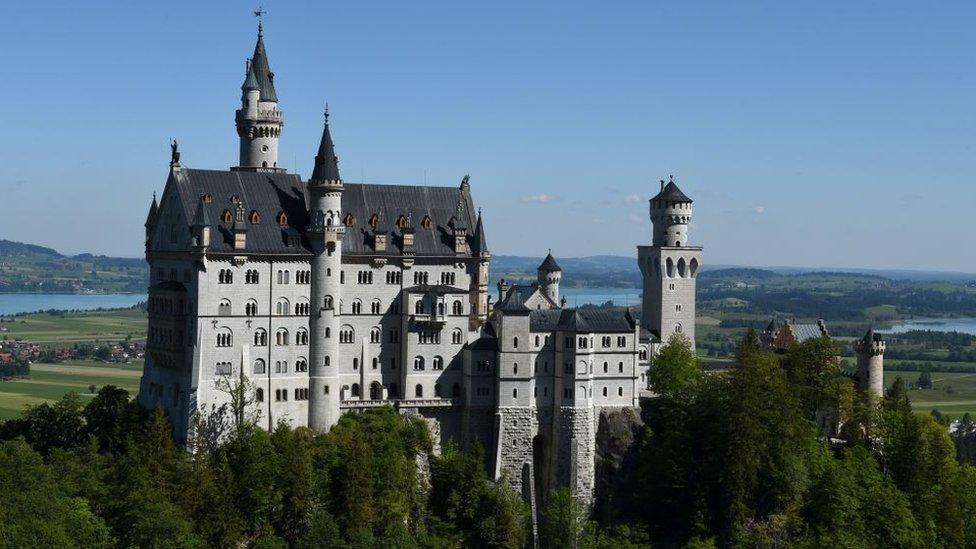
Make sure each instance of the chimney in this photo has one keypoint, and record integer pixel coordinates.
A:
(502, 290)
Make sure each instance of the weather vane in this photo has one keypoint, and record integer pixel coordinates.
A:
(260, 13)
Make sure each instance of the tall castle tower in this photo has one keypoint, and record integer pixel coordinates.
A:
(870, 363)
(669, 266)
(325, 189)
(548, 276)
(258, 120)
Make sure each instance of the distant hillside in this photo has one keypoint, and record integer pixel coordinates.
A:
(27, 268)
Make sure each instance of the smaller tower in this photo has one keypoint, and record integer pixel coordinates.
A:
(259, 121)
(200, 227)
(478, 291)
(151, 221)
(548, 275)
(870, 363)
(670, 266)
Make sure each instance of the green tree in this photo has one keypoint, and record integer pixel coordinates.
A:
(36, 511)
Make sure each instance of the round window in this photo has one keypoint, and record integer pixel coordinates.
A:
(264, 148)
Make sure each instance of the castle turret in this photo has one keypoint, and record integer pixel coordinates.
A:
(479, 282)
(548, 276)
(200, 227)
(325, 233)
(870, 363)
(151, 221)
(259, 121)
(670, 266)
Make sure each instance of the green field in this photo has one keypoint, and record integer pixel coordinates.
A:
(951, 393)
(49, 382)
(65, 331)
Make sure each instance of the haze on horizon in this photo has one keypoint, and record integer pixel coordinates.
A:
(829, 135)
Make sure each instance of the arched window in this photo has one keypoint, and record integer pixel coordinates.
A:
(357, 307)
(376, 307)
(426, 222)
(301, 337)
(259, 366)
(225, 338)
(514, 392)
(456, 336)
(606, 367)
(327, 302)
(515, 369)
(223, 308)
(227, 217)
(282, 308)
(440, 308)
(376, 363)
(355, 389)
(419, 391)
(643, 353)
(438, 363)
(620, 391)
(347, 334)
(281, 337)
(515, 343)
(375, 391)
(374, 334)
(418, 363)
(301, 365)
(260, 337)
(620, 367)
(604, 391)
(419, 307)
(282, 219)
(255, 217)
(251, 308)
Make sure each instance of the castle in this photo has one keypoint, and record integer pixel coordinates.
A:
(324, 297)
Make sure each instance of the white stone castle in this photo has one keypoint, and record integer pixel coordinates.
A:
(330, 297)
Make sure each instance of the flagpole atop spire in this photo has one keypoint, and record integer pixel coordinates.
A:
(259, 13)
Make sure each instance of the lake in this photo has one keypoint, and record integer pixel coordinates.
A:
(962, 325)
(26, 303)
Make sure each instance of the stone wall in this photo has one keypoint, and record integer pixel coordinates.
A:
(518, 428)
(575, 466)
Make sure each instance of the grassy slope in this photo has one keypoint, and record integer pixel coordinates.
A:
(49, 382)
(951, 393)
(57, 331)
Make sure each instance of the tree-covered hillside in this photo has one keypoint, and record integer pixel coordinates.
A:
(26, 268)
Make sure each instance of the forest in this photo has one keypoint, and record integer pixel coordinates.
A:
(777, 451)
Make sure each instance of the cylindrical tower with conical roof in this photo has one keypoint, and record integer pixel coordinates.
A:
(325, 233)
(259, 121)
(548, 276)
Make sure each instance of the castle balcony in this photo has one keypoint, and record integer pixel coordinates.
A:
(357, 404)
(433, 319)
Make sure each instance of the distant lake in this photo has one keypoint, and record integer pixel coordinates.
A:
(962, 325)
(27, 303)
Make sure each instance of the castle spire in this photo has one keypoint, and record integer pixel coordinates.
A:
(480, 245)
(326, 161)
(262, 69)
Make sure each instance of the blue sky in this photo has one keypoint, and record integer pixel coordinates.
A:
(809, 134)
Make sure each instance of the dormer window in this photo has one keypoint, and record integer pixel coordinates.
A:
(227, 217)
(255, 217)
(349, 220)
(235, 199)
(402, 222)
(207, 198)
(374, 220)
(282, 219)
(426, 222)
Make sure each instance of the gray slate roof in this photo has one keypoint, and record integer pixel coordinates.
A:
(549, 264)
(581, 320)
(392, 201)
(270, 193)
(804, 332)
(326, 161)
(672, 193)
(262, 71)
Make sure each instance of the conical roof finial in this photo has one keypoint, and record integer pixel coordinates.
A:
(326, 162)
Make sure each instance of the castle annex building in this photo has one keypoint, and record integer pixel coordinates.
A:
(325, 297)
